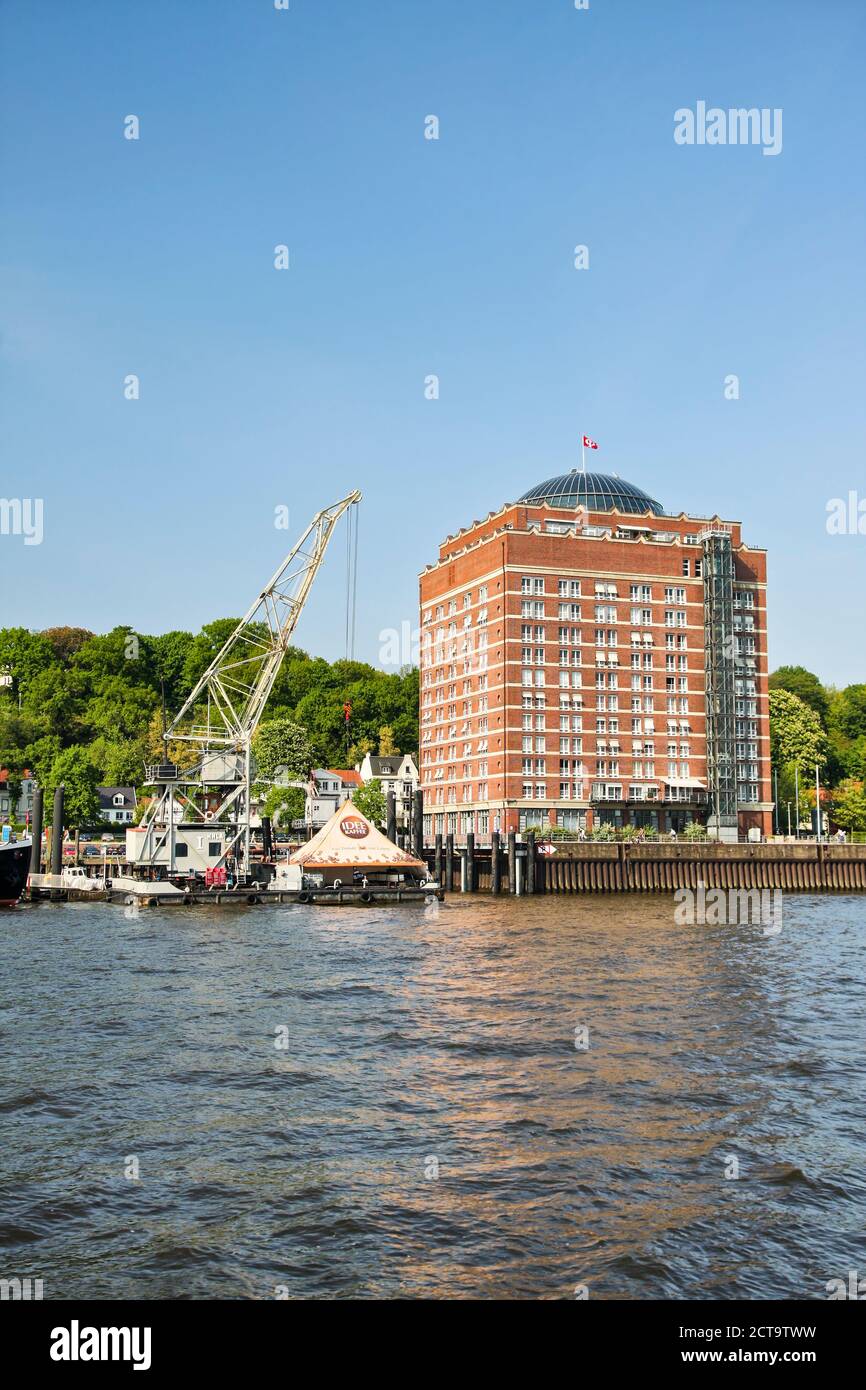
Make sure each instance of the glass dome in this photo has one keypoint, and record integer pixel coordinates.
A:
(600, 492)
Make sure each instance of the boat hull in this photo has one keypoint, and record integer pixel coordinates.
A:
(14, 868)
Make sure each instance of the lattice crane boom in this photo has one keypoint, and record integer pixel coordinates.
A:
(233, 691)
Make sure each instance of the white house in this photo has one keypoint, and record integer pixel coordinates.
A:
(117, 804)
(397, 773)
(333, 786)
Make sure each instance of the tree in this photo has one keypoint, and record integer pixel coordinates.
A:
(370, 801)
(183, 754)
(854, 759)
(204, 648)
(39, 756)
(805, 685)
(849, 711)
(848, 805)
(357, 752)
(284, 805)
(119, 709)
(387, 746)
(796, 735)
(23, 655)
(119, 762)
(66, 641)
(121, 652)
(281, 743)
(75, 770)
(171, 652)
(52, 698)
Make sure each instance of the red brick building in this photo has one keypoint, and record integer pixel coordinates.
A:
(587, 658)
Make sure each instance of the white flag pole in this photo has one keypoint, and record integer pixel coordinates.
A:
(582, 452)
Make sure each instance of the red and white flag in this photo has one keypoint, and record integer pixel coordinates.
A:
(589, 443)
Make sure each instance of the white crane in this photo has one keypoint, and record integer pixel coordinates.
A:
(221, 714)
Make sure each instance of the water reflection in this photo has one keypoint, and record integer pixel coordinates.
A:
(431, 1128)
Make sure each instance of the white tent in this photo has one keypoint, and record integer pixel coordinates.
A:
(350, 841)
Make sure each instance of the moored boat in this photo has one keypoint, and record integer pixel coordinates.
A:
(14, 868)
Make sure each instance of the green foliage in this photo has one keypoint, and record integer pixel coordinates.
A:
(695, 831)
(39, 757)
(371, 801)
(281, 743)
(603, 832)
(387, 746)
(119, 762)
(806, 686)
(848, 712)
(283, 805)
(74, 769)
(357, 752)
(796, 734)
(848, 805)
(103, 694)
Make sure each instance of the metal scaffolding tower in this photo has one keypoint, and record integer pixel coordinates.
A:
(720, 653)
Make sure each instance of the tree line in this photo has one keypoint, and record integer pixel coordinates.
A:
(813, 724)
(87, 709)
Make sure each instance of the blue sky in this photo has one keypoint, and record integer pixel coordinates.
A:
(410, 257)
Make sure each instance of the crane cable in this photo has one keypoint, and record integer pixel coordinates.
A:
(351, 579)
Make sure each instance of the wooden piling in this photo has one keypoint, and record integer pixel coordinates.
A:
(418, 824)
(36, 829)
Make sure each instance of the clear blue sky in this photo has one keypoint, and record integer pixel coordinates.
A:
(411, 257)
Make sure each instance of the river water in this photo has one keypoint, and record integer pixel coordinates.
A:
(389, 1102)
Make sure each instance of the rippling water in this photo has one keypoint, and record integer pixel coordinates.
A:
(412, 1039)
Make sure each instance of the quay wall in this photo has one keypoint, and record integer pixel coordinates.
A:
(602, 867)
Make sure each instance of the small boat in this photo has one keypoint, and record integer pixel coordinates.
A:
(14, 868)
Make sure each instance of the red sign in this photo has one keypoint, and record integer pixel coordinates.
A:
(347, 711)
(354, 828)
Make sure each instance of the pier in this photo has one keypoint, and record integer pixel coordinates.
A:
(521, 866)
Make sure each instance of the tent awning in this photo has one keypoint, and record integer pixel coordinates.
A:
(350, 841)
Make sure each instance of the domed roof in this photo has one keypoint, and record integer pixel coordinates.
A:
(599, 492)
